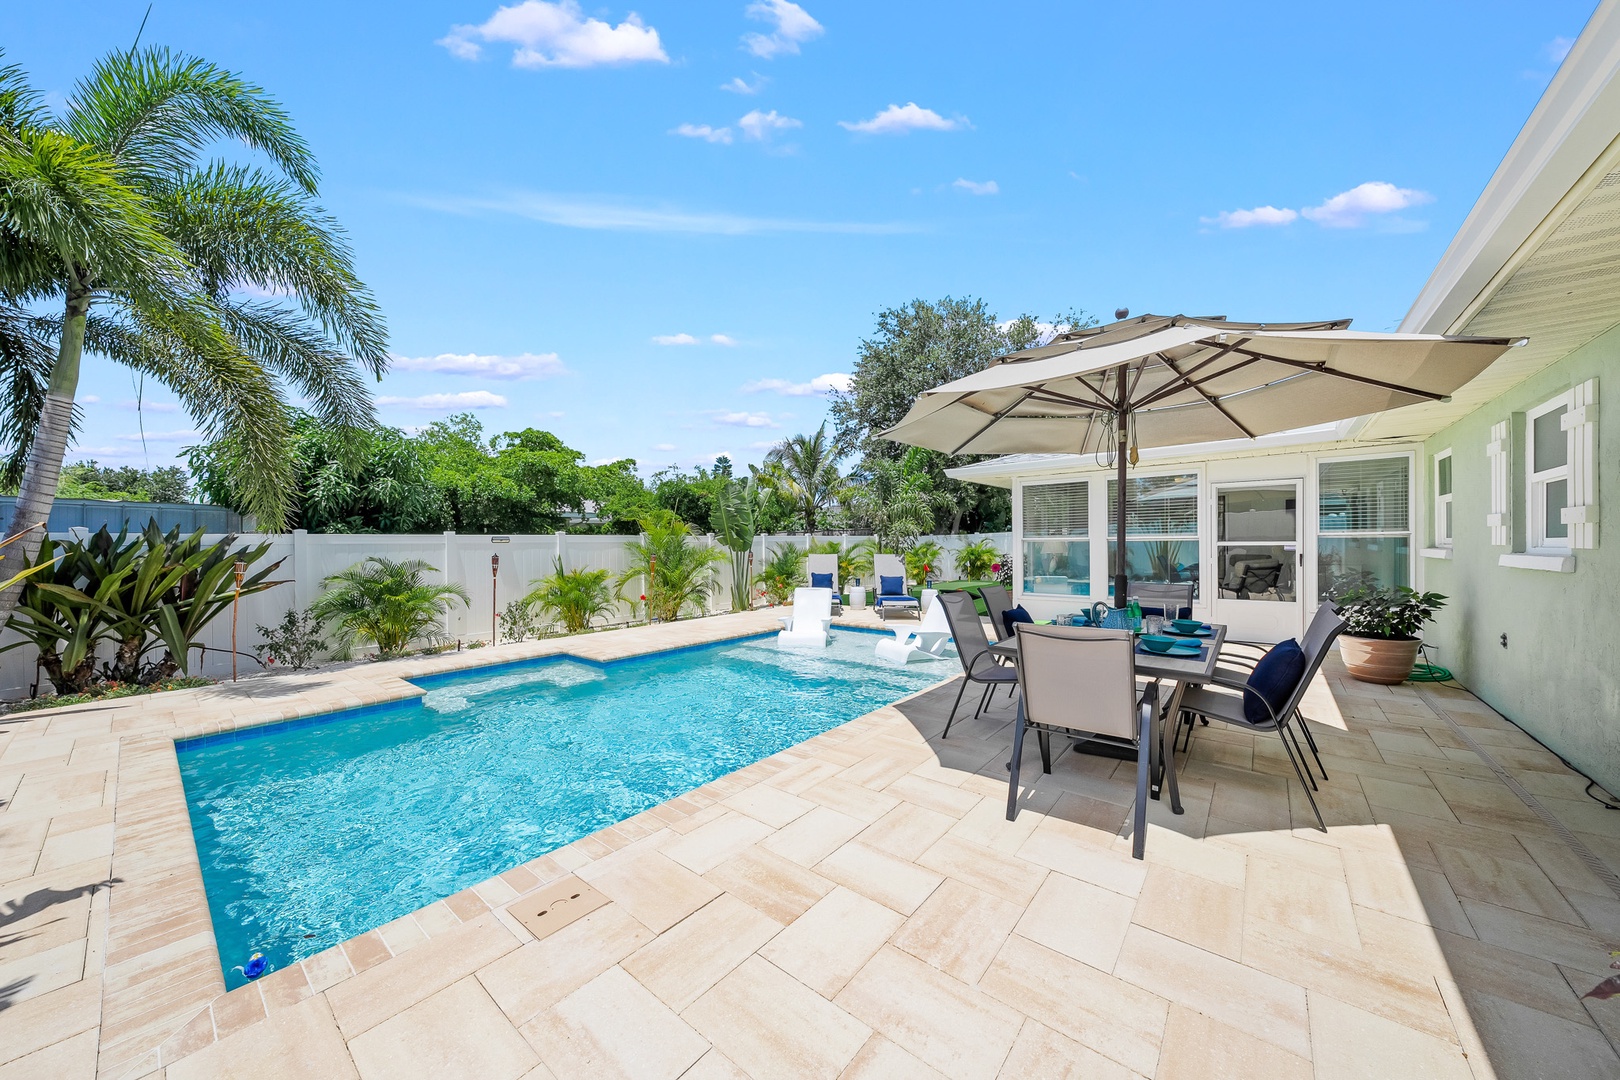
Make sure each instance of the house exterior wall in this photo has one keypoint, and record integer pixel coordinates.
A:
(1559, 675)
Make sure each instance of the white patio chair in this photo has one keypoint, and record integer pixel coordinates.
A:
(806, 626)
(825, 567)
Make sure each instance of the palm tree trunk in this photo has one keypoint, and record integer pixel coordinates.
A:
(44, 470)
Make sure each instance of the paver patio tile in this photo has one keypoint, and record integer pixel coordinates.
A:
(1505, 883)
(681, 964)
(655, 890)
(1559, 942)
(1112, 1017)
(542, 973)
(703, 849)
(75, 1056)
(777, 886)
(1078, 919)
(1191, 908)
(959, 929)
(458, 1031)
(714, 1066)
(897, 883)
(38, 1022)
(828, 944)
(880, 1059)
(1040, 1051)
(957, 1029)
(771, 1025)
(1011, 878)
(302, 1040)
(614, 1027)
(1310, 903)
(934, 795)
(1243, 997)
(771, 805)
(814, 836)
(1352, 1044)
(1054, 847)
(1521, 1041)
(906, 831)
(854, 800)
(1197, 1047)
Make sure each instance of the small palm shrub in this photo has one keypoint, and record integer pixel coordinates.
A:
(923, 560)
(386, 603)
(973, 561)
(294, 643)
(782, 573)
(676, 574)
(576, 598)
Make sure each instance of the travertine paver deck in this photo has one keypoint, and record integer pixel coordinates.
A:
(855, 906)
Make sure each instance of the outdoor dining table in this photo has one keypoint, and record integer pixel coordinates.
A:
(1180, 671)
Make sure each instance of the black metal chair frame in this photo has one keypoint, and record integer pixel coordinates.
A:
(996, 674)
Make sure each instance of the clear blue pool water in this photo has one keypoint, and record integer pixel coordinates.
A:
(311, 834)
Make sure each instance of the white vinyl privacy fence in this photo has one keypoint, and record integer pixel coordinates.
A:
(307, 559)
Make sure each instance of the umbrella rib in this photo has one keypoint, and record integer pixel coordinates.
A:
(1191, 383)
(1186, 377)
(1323, 369)
(1214, 402)
(1052, 397)
(994, 417)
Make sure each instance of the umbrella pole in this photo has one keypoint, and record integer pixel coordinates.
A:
(1121, 433)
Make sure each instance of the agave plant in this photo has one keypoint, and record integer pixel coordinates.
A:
(974, 560)
(676, 574)
(387, 603)
(575, 597)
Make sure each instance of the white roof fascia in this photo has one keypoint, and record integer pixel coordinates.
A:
(1572, 126)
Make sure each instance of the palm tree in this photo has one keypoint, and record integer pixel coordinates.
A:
(896, 503)
(675, 573)
(804, 471)
(577, 597)
(387, 603)
(225, 283)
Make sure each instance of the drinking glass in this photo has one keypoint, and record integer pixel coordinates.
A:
(1153, 624)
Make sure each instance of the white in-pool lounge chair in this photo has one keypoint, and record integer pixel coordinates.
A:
(806, 627)
(930, 640)
(891, 592)
(823, 571)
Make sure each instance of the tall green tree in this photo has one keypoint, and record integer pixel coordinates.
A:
(226, 283)
(803, 470)
(916, 347)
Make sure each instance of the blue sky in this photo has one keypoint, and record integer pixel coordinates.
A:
(662, 231)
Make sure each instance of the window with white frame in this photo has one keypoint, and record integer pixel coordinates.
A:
(1443, 528)
(1364, 527)
(1546, 462)
(1057, 553)
(1161, 528)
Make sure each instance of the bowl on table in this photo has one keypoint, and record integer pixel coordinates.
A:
(1186, 626)
(1158, 642)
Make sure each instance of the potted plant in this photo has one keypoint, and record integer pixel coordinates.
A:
(1381, 634)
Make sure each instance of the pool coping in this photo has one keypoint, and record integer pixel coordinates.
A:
(163, 990)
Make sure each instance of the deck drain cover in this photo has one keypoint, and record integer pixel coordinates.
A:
(555, 906)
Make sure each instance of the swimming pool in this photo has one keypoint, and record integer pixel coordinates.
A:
(310, 833)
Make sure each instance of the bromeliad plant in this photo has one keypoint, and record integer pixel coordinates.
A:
(387, 603)
(1397, 614)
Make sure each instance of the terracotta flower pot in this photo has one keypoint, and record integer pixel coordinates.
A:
(1378, 660)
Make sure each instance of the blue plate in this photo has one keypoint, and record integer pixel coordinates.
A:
(1185, 648)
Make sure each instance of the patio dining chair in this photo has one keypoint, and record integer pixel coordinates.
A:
(997, 602)
(1172, 599)
(1080, 682)
(973, 650)
(1254, 704)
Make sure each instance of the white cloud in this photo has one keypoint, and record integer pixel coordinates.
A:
(1349, 209)
(832, 382)
(1260, 215)
(522, 366)
(162, 436)
(973, 187)
(723, 339)
(674, 339)
(88, 399)
(745, 419)
(467, 399)
(1558, 48)
(762, 125)
(600, 212)
(557, 35)
(146, 406)
(704, 132)
(793, 26)
(739, 85)
(900, 119)
(556, 415)
(664, 447)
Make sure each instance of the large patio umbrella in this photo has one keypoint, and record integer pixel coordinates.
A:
(1159, 380)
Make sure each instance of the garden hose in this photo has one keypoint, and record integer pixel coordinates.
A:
(1424, 671)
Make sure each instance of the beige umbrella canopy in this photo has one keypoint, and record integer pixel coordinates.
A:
(1159, 380)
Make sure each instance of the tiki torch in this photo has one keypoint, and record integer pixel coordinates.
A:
(494, 602)
(236, 603)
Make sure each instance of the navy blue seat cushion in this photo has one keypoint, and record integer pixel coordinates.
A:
(1014, 615)
(821, 581)
(1167, 611)
(891, 586)
(1273, 680)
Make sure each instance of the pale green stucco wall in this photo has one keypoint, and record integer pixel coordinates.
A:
(1559, 677)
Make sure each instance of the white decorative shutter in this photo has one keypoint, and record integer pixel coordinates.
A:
(1496, 451)
(1580, 421)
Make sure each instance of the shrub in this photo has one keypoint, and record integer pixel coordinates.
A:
(1002, 569)
(1392, 614)
(923, 560)
(521, 620)
(294, 643)
(974, 560)
(782, 573)
(676, 574)
(575, 597)
(387, 603)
